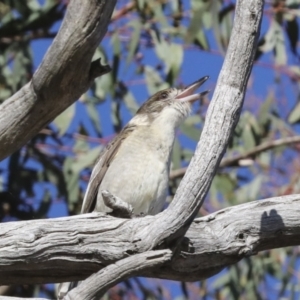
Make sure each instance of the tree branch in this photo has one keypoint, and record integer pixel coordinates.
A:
(63, 76)
(97, 284)
(235, 160)
(222, 116)
(73, 248)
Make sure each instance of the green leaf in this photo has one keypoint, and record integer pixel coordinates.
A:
(194, 26)
(163, 50)
(115, 41)
(135, 39)
(141, 4)
(158, 13)
(221, 280)
(33, 5)
(250, 191)
(63, 121)
(269, 38)
(85, 160)
(248, 137)
(190, 131)
(265, 159)
(280, 48)
(173, 64)
(294, 115)
(264, 112)
(72, 183)
(94, 117)
(187, 155)
(176, 155)
(130, 102)
(193, 120)
(153, 80)
(202, 40)
(103, 86)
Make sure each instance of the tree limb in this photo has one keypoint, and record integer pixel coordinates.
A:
(64, 75)
(235, 160)
(73, 248)
(97, 284)
(221, 118)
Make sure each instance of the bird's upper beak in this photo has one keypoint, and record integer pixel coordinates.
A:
(187, 94)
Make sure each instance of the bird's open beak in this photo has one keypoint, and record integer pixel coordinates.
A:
(187, 94)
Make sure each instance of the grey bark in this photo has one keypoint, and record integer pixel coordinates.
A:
(72, 248)
(97, 284)
(65, 73)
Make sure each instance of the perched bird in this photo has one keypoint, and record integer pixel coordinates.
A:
(135, 165)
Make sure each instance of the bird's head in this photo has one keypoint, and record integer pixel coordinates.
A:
(171, 104)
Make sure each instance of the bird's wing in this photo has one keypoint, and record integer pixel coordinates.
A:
(100, 168)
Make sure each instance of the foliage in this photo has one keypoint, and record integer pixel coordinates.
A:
(152, 45)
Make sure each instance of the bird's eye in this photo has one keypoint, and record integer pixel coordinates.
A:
(164, 95)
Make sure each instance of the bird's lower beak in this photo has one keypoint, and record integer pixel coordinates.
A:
(187, 94)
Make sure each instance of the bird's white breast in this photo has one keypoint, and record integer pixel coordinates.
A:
(139, 172)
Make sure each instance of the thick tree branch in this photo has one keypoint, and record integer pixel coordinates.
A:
(222, 116)
(236, 160)
(97, 284)
(73, 248)
(64, 75)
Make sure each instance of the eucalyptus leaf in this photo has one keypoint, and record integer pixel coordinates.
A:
(294, 115)
(265, 108)
(190, 131)
(176, 155)
(134, 41)
(153, 80)
(94, 117)
(63, 121)
(130, 102)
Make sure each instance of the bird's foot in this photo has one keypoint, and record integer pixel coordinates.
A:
(120, 208)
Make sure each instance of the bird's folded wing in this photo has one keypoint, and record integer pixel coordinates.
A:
(100, 168)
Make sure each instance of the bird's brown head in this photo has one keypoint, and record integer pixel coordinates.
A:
(171, 102)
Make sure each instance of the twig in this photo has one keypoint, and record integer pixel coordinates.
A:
(236, 160)
(123, 11)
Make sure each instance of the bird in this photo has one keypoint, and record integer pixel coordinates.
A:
(135, 165)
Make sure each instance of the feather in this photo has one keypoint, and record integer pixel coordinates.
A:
(101, 167)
